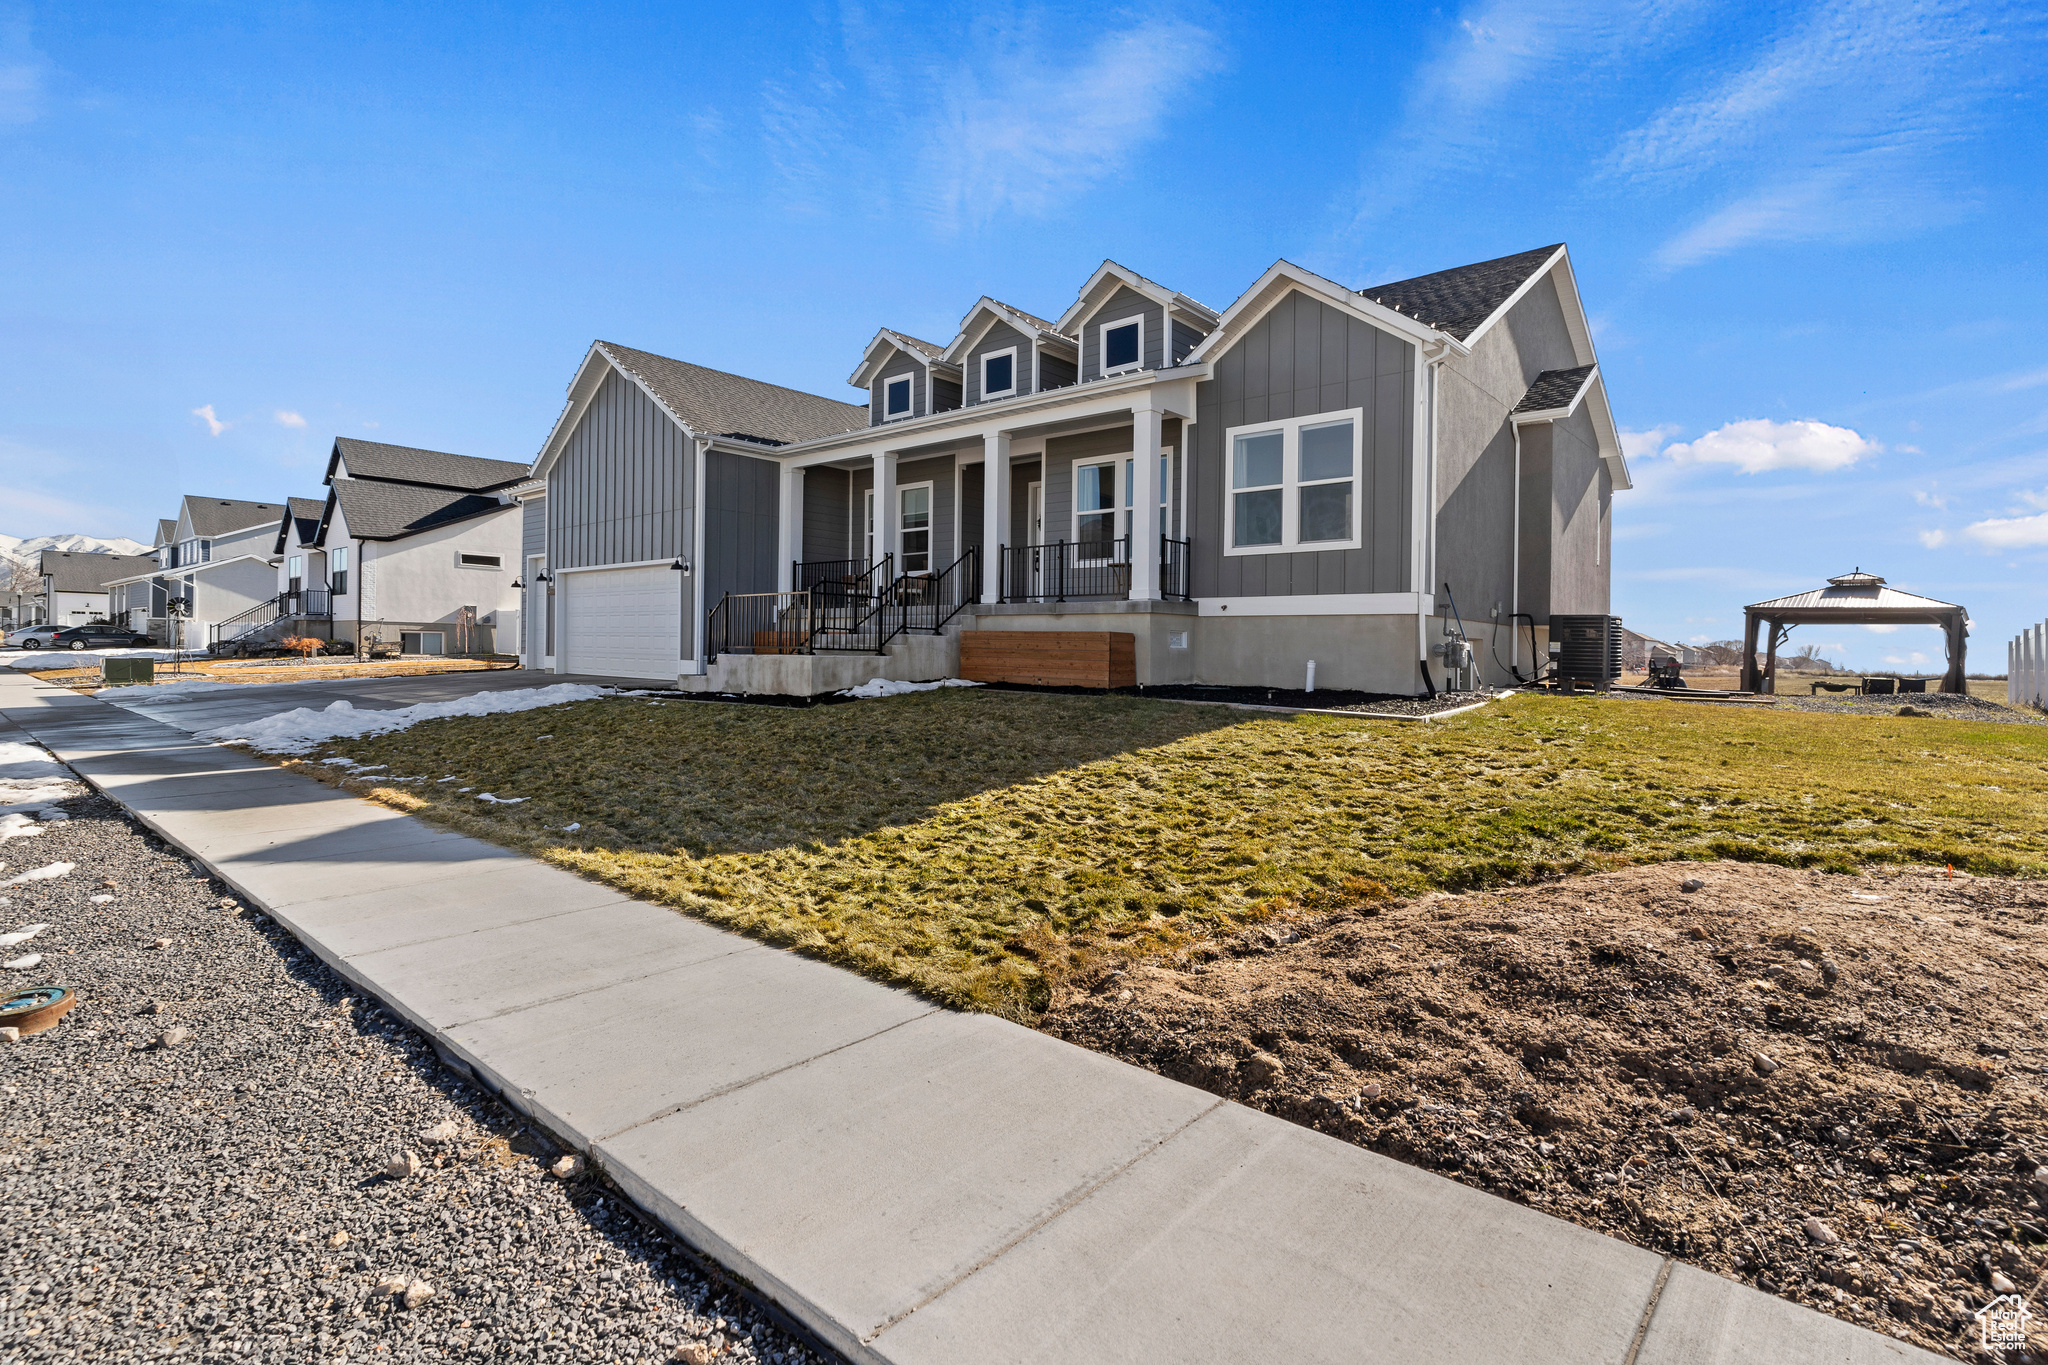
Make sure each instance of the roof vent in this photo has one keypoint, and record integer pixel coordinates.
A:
(1856, 579)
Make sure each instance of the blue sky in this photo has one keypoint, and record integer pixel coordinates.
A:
(1811, 237)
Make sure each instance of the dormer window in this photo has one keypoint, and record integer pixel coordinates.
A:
(999, 373)
(896, 398)
(1123, 345)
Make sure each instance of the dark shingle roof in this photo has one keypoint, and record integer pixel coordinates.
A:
(212, 517)
(714, 403)
(427, 468)
(931, 352)
(1555, 389)
(1456, 301)
(304, 524)
(166, 530)
(389, 511)
(74, 572)
(1040, 323)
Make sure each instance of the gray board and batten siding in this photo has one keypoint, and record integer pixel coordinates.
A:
(1000, 336)
(533, 530)
(741, 525)
(1302, 358)
(898, 365)
(826, 523)
(1124, 303)
(624, 488)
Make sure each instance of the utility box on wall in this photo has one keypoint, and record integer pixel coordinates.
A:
(1587, 648)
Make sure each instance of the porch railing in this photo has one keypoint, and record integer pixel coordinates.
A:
(243, 627)
(759, 623)
(1066, 570)
(850, 603)
(928, 601)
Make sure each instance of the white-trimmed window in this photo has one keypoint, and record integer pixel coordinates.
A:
(294, 572)
(914, 528)
(999, 373)
(1293, 484)
(896, 398)
(1122, 345)
(337, 570)
(1102, 509)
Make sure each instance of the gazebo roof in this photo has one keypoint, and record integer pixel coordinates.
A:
(1854, 594)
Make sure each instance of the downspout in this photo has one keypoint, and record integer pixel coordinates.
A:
(1515, 564)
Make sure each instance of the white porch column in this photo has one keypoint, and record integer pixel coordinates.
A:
(791, 541)
(995, 513)
(1145, 530)
(886, 510)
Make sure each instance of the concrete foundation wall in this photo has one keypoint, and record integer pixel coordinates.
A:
(1366, 653)
(911, 658)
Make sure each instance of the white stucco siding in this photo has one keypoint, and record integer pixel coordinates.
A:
(421, 578)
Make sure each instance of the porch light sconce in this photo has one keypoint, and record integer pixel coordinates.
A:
(544, 577)
(518, 582)
(681, 565)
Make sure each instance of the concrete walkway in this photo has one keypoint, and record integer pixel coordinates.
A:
(912, 1184)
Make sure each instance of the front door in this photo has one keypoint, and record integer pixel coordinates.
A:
(1034, 534)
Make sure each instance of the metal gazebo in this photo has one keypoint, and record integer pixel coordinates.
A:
(1854, 599)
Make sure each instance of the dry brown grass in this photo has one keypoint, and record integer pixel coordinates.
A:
(976, 846)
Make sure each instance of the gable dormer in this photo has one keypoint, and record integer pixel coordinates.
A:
(1005, 352)
(1125, 323)
(905, 378)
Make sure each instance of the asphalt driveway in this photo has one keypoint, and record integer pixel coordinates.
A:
(205, 709)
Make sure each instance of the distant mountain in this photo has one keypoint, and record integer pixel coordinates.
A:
(30, 551)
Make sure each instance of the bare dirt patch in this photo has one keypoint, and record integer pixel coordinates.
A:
(1699, 1072)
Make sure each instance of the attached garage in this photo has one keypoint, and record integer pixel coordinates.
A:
(623, 623)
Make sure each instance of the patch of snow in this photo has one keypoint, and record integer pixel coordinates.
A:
(18, 825)
(499, 800)
(21, 935)
(299, 730)
(875, 688)
(571, 829)
(101, 899)
(22, 964)
(40, 874)
(30, 779)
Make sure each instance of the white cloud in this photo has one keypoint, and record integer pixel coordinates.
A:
(1841, 127)
(1760, 444)
(2010, 533)
(289, 419)
(1637, 445)
(1925, 499)
(1913, 660)
(2033, 499)
(936, 117)
(1934, 539)
(22, 70)
(214, 425)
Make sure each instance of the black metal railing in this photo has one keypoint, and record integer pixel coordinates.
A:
(1067, 569)
(305, 602)
(928, 601)
(1175, 564)
(852, 603)
(759, 623)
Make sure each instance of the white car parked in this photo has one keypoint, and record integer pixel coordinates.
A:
(29, 637)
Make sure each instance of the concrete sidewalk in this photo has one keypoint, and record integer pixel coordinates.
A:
(912, 1184)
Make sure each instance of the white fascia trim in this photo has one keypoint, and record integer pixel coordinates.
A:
(635, 564)
(1325, 604)
(1536, 277)
(970, 333)
(1274, 286)
(895, 340)
(565, 425)
(1166, 298)
(1607, 433)
(972, 423)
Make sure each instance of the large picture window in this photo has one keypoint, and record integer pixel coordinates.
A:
(1294, 484)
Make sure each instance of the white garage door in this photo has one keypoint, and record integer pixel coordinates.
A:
(624, 623)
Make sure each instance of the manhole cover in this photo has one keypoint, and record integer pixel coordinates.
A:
(36, 1009)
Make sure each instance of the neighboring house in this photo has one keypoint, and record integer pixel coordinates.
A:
(416, 548)
(212, 560)
(75, 587)
(1296, 478)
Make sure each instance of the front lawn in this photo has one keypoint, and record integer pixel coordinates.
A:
(975, 845)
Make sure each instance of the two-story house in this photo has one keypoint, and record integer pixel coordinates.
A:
(416, 549)
(75, 587)
(1298, 477)
(212, 560)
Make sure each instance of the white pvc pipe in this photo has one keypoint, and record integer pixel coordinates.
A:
(1311, 677)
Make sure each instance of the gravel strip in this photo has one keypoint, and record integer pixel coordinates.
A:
(1947, 705)
(226, 1197)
